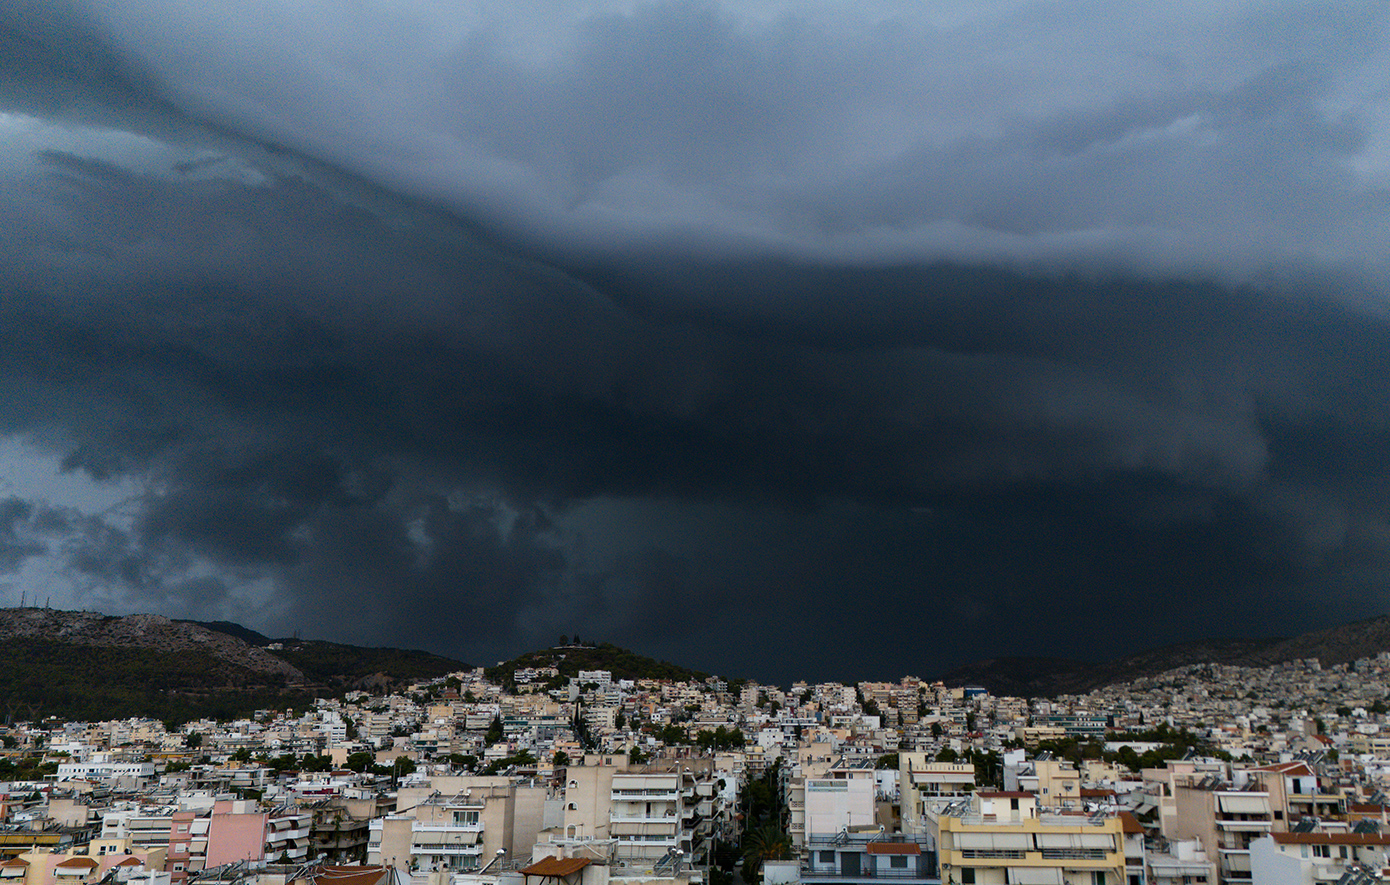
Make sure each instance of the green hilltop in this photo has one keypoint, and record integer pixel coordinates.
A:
(570, 659)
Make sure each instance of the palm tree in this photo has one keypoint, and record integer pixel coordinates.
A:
(765, 843)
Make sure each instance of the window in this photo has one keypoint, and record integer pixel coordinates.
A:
(897, 862)
(967, 876)
(827, 857)
(178, 867)
(1013, 803)
(1322, 851)
(1097, 877)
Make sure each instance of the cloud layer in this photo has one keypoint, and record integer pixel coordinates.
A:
(779, 340)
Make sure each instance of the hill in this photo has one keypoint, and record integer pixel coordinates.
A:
(1042, 677)
(91, 666)
(352, 666)
(245, 634)
(570, 659)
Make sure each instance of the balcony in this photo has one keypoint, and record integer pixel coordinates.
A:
(1244, 826)
(447, 828)
(1328, 872)
(447, 850)
(282, 835)
(868, 873)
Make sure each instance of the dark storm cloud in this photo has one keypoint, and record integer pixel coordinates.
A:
(718, 337)
(15, 517)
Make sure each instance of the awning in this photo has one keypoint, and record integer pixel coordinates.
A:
(893, 848)
(1243, 804)
(993, 842)
(1058, 840)
(1035, 876)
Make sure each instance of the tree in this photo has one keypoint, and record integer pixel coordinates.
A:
(494, 731)
(560, 759)
(671, 735)
(636, 757)
(765, 843)
(887, 761)
(936, 729)
(359, 762)
(193, 740)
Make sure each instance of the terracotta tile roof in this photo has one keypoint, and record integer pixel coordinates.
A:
(78, 862)
(354, 874)
(556, 866)
(1331, 838)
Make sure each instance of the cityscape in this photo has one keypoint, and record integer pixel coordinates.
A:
(1207, 773)
(694, 442)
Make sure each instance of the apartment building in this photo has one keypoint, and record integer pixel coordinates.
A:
(844, 840)
(647, 816)
(1006, 838)
(1224, 818)
(925, 785)
(1182, 863)
(1318, 857)
(458, 823)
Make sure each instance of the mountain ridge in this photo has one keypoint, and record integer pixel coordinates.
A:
(1048, 677)
(87, 665)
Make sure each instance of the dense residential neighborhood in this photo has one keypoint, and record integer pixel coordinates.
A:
(1203, 775)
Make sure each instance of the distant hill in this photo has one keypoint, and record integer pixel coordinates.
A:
(348, 666)
(1043, 677)
(91, 666)
(245, 634)
(570, 659)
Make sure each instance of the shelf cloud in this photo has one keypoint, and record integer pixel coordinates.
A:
(780, 339)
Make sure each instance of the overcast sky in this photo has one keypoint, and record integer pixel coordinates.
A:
(780, 339)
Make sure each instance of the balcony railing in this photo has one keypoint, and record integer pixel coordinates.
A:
(868, 873)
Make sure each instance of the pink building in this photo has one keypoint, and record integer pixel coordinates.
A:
(236, 833)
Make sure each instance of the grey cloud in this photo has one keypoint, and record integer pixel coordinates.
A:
(963, 365)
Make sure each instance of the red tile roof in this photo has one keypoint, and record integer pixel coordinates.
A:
(79, 862)
(556, 866)
(1331, 838)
